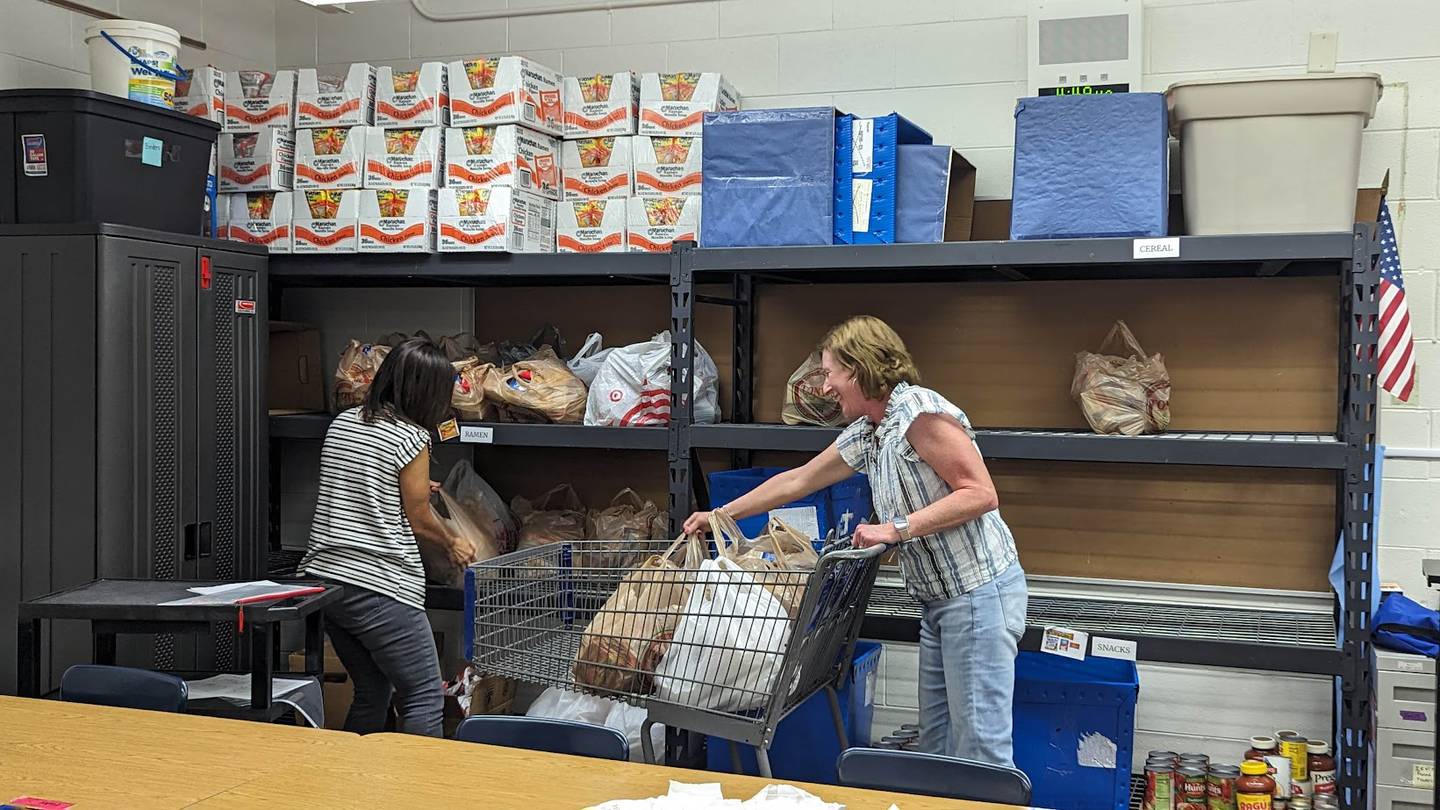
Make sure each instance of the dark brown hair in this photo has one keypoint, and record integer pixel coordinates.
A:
(414, 383)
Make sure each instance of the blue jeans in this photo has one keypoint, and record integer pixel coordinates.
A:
(967, 670)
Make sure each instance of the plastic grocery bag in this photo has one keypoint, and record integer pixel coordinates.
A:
(710, 796)
(482, 503)
(805, 400)
(558, 516)
(578, 707)
(542, 384)
(729, 646)
(358, 365)
(1129, 394)
(457, 520)
(781, 557)
(618, 528)
(633, 386)
(468, 396)
(587, 362)
(462, 346)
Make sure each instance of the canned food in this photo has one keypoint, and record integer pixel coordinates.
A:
(1296, 749)
(1159, 787)
(1220, 787)
(1325, 801)
(1191, 788)
(1196, 756)
(1299, 803)
(1171, 755)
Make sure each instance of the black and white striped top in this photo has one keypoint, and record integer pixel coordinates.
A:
(360, 535)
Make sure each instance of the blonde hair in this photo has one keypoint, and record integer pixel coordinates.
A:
(868, 348)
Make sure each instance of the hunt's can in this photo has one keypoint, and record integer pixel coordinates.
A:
(1192, 789)
(1220, 787)
(1295, 748)
(1159, 787)
(1167, 755)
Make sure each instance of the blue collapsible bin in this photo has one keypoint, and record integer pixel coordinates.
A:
(1090, 166)
(840, 507)
(805, 748)
(1075, 729)
(866, 176)
(767, 177)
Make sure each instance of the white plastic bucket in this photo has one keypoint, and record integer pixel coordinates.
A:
(1271, 155)
(134, 60)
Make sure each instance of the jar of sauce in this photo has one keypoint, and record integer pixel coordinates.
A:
(1322, 767)
(1255, 789)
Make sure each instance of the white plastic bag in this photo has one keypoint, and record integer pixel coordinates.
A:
(578, 707)
(587, 362)
(729, 646)
(710, 796)
(633, 386)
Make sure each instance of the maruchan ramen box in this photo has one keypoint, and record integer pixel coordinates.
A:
(332, 157)
(260, 218)
(655, 223)
(256, 99)
(667, 165)
(600, 167)
(397, 220)
(506, 155)
(590, 226)
(676, 103)
(603, 104)
(201, 93)
(257, 161)
(411, 157)
(505, 90)
(326, 221)
(412, 98)
(327, 100)
(495, 218)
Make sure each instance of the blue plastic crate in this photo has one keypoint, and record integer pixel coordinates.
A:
(866, 165)
(805, 748)
(1090, 166)
(1075, 729)
(840, 507)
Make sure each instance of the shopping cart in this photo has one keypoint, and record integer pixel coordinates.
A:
(702, 646)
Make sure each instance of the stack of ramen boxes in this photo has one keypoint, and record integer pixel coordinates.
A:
(256, 157)
(333, 119)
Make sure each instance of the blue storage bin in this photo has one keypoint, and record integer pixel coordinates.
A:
(805, 748)
(767, 177)
(866, 166)
(1090, 166)
(840, 507)
(1075, 729)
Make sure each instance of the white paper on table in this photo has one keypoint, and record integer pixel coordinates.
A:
(231, 592)
(236, 689)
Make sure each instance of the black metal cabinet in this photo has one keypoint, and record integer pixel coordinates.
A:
(132, 364)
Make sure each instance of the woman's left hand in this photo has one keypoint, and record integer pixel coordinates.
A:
(875, 534)
(434, 487)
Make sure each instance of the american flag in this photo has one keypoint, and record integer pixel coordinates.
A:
(1397, 344)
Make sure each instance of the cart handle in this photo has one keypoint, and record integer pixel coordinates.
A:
(858, 553)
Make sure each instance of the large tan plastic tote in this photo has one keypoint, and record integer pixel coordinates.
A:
(1272, 155)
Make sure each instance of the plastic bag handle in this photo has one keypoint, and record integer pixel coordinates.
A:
(726, 532)
(775, 543)
(1122, 331)
(592, 344)
(157, 71)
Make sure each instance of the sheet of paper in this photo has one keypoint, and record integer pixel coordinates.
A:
(1064, 642)
(230, 593)
(237, 687)
(801, 518)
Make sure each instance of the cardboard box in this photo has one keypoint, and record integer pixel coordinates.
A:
(505, 90)
(397, 220)
(667, 165)
(202, 94)
(676, 103)
(603, 104)
(600, 167)
(255, 100)
(332, 157)
(412, 98)
(323, 100)
(506, 155)
(591, 226)
(495, 218)
(326, 221)
(261, 218)
(336, 686)
(256, 161)
(295, 382)
(405, 158)
(655, 223)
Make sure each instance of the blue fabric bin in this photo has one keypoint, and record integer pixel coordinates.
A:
(768, 177)
(805, 748)
(840, 507)
(1075, 729)
(1090, 166)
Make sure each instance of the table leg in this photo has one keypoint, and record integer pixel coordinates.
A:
(261, 665)
(315, 644)
(103, 645)
(27, 658)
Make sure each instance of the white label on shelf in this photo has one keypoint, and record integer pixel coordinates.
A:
(475, 434)
(1166, 248)
(1122, 649)
(801, 518)
(1423, 775)
(862, 145)
(1064, 642)
(1410, 666)
(860, 204)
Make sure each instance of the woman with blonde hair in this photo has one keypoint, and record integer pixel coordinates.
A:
(936, 502)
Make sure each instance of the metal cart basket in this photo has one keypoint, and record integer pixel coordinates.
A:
(722, 647)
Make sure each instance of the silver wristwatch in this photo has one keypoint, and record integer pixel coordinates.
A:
(902, 526)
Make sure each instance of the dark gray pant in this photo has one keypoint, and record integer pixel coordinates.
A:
(388, 651)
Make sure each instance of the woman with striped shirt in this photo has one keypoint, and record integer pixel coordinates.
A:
(373, 508)
(937, 503)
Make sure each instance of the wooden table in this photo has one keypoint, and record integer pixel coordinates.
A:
(96, 756)
(393, 770)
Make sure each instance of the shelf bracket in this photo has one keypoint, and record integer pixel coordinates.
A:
(1271, 268)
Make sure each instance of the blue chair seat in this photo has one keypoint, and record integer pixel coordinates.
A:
(124, 687)
(932, 775)
(541, 734)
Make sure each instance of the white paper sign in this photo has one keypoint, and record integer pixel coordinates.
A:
(475, 434)
(1410, 666)
(860, 204)
(803, 519)
(1166, 248)
(1423, 775)
(1112, 648)
(862, 145)
(1064, 642)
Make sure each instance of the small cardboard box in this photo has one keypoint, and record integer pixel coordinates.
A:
(655, 223)
(505, 90)
(405, 158)
(495, 218)
(676, 103)
(332, 157)
(255, 100)
(667, 165)
(590, 226)
(412, 98)
(397, 220)
(600, 167)
(202, 93)
(257, 161)
(603, 104)
(506, 155)
(323, 100)
(296, 376)
(261, 218)
(326, 221)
